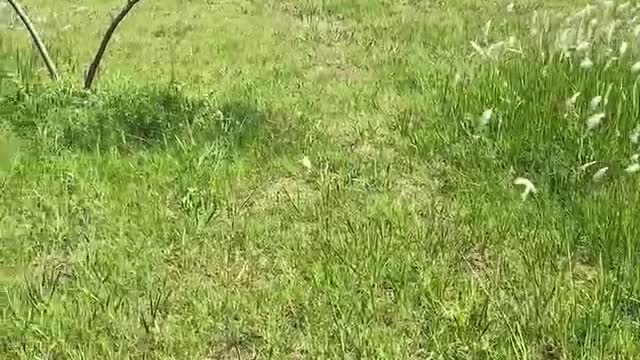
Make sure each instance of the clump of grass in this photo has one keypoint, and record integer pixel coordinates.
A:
(128, 118)
(64, 118)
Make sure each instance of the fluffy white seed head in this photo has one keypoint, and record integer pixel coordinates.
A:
(565, 39)
(607, 94)
(587, 165)
(633, 168)
(607, 3)
(600, 174)
(624, 6)
(486, 116)
(595, 102)
(635, 67)
(306, 163)
(634, 137)
(586, 63)
(583, 46)
(529, 188)
(533, 29)
(495, 50)
(609, 63)
(486, 29)
(624, 46)
(612, 31)
(609, 52)
(594, 120)
(478, 49)
(580, 15)
(572, 100)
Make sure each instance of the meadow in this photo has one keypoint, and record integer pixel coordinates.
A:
(322, 179)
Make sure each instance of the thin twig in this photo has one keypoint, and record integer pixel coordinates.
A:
(53, 72)
(93, 68)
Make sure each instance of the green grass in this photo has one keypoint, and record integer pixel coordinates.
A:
(169, 213)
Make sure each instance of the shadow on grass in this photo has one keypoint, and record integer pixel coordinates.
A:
(135, 119)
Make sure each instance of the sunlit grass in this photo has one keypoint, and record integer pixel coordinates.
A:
(336, 179)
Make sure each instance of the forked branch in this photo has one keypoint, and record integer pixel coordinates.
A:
(53, 72)
(93, 68)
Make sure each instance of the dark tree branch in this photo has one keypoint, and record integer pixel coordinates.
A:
(53, 72)
(93, 68)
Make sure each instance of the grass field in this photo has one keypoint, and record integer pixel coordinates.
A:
(322, 179)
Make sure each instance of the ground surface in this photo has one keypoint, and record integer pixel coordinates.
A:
(321, 179)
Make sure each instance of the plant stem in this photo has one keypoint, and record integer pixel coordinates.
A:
(93, 68)
(53, 72)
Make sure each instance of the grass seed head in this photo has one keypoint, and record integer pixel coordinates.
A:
(584, 167)
(624, 7)
(495, 50)
(634, 137)
(529, 188)
(624, 46)
(572, 100)
(478, 49)
(594, 120)
(612, 31)
(607, 4)
(633, 168)
(486, 116)
(607, 94)
(583, 46)
(586, 63)
(486, 29)
(306, 163)
(610, 62)
(600, 174)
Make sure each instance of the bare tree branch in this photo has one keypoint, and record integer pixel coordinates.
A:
(53, 72)
(93, 68)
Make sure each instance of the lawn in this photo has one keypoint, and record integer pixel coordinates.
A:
(322, 179)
